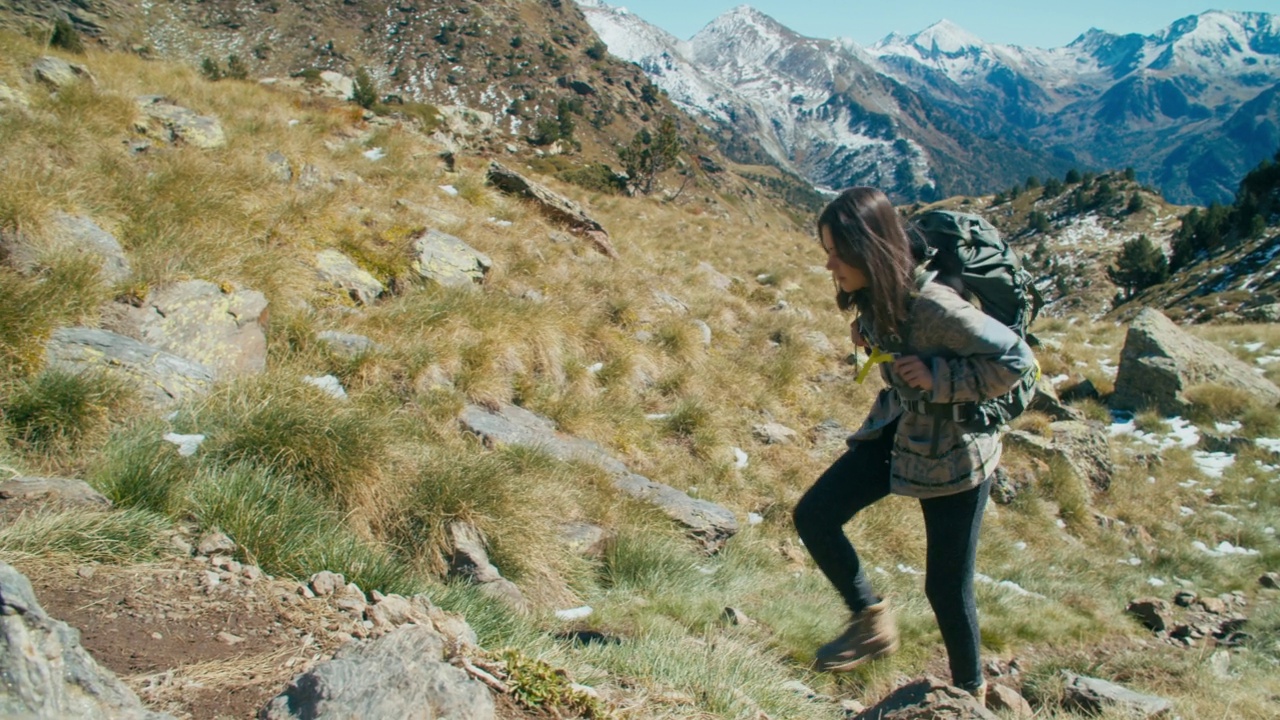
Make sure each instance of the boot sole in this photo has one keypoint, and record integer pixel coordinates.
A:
(848, 665)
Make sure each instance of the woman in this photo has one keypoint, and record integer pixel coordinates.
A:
(919, 438)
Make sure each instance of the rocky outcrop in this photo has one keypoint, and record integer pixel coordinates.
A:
(447, 260)
(927, 699)
(175, 124)
(221, 328)
(400, 675)
(159, 376)
(1160, 362)
(553, 205)
(57, 73)
(712, 524)
(1083, 447)
(44, 671)
(1094, 696)
(53, 491)
(341, 272)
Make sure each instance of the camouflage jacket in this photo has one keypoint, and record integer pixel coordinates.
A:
(973, 357)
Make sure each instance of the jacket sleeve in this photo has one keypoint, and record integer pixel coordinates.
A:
(983, 358)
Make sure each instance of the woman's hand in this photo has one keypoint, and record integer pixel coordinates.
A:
(914, 372)
(858, 340)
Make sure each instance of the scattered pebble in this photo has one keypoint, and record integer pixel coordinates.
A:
(754, 518)
(1223, 549)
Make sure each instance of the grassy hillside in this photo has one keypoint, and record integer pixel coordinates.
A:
(611, 351)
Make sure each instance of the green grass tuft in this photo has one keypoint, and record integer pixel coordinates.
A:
(117, 536)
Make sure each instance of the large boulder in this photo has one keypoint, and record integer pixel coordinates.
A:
(927, 699)
(1083, 447)
(159, 376)
(221, 328)
(1160, 362)
(555, 206)
(45, 672)
(174, 123)
(342, 273)
(57, 73)
(400, 675)
(708, 522)
(447, 260)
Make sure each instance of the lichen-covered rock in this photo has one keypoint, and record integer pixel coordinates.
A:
(400, 675)
(342, 272)
(347, 345)
(174, 123)
(44, 671)
(221, 328)
(159, 376)
(449, 261)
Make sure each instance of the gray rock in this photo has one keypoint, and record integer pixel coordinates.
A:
(713, 277)
(174, 123)
(586, 539)
(280, 168)
(326, 583)
(223, 329)
(1046, 401)
(671, 302)
(342, 272)
(1160, 362)
(775, 434)
(927, 699)
(1006, 700)
(1084, 447)
(511, 425)
(1153, 613)
(44, 671)
(347, 345)
(60, 492)
(448, 260)
(468, 559)
(704, 332)
(400, 675)
(69, 234)
(335, 85)
(58, 73)
(1094, 696)
(216, 543)
(159, 376)
(553, 205)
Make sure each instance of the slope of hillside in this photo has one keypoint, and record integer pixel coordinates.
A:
(703, 353)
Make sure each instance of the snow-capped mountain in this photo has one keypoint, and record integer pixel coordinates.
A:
(942, 111)
(818, 107)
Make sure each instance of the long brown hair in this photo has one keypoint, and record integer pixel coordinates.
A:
(867, 234)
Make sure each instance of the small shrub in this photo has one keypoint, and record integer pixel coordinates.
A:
(210, 69)
(64, 36)
(365, 90)
(539, 686)
(236, 68)
(597, 50)
(57, 409)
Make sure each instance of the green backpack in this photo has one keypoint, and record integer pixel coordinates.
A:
(968, 253)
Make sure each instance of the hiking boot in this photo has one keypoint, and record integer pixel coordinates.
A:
(871, 634)
(980, 693)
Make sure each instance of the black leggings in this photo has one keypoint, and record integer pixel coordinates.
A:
(859, 478)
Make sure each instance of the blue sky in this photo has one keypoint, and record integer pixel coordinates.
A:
(1034, 23)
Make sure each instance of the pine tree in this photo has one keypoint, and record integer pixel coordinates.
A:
(365, 91)
(647, 155)
(1139, 265)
